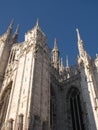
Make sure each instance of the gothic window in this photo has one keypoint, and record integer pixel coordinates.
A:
(53, 110)
(5, 100)
(75, 108)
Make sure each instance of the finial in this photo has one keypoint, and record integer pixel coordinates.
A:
(67, 64)
(55, 44)
(78, 34)
(37, 23)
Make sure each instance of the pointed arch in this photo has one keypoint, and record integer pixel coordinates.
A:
(75, 113)
(4, 101)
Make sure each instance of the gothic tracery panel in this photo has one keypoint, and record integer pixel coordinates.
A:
(75, 114)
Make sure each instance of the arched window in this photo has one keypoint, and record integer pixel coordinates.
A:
(75, 108)
(5, 102)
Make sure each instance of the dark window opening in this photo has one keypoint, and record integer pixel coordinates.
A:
(4, 108)
(76, 112)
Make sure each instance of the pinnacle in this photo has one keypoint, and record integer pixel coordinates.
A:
(10, 26)
(17, 29)
(55, 44)
(15, 36)
(61, 66)
(78, 34)
(37, 23)
(80, 44)
(67, 64)
(62, 62)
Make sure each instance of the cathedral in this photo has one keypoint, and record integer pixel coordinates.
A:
(38, 93)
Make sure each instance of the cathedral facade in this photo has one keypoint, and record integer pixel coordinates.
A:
(38, 93)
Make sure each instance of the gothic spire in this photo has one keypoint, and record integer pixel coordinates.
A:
(61, 67)
(55, 55)
(37, 23)
(9, 30)
(80, 44)
(15, 36)
(37, 27)
(78, 35)
(17, 29)
(67, 64)
(55, 44)
(62, 63)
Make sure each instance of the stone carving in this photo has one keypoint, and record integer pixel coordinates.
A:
(42, 89)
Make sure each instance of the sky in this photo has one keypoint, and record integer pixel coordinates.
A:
(58, 19)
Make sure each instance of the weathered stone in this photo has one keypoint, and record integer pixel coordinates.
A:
(39, 94)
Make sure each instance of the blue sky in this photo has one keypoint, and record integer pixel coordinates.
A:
(58, 19)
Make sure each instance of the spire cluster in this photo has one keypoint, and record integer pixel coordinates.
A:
(57, 62)
(55, 51)
(9, 32)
